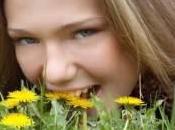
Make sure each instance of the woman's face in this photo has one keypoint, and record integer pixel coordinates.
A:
(70, 44)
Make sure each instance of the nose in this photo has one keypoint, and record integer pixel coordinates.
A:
(58, 68)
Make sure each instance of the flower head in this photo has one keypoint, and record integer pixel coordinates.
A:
(10, 103)
(24, 95)
(70, 98)
(60, 95)
(80, 102)
(16, 120)
(129, 101)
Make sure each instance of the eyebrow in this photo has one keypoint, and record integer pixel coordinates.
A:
(19, 31)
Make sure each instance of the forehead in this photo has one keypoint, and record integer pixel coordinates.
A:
(32, 11)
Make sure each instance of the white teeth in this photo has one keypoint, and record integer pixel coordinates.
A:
(78, 93)
(81, 92)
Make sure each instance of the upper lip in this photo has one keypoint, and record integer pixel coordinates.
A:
(50, 87)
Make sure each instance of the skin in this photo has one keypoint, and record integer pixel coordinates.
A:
(71, 46)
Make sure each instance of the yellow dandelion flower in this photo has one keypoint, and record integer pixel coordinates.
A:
(24, 95)
(16, 120)
(125, 100)
(80, 102)
(10, 103)
(60, 95)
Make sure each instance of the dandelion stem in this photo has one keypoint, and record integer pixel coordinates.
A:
(85, 120)
(72, 116)
(42, 97)
(76, 123)
(126, 124)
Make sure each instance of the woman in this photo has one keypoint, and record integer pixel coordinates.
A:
(112, 47)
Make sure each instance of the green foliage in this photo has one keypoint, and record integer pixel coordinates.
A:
(57, 115)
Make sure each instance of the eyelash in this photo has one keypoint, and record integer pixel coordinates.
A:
(79, 34)
(82, 33)
(19, 40)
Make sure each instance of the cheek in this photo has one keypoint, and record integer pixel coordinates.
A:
(102, 57)
(30, 59)
(109, 63)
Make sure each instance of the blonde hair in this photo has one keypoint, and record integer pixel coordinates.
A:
(147, 30)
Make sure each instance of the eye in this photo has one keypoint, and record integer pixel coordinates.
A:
(82, 33)
(26, 40)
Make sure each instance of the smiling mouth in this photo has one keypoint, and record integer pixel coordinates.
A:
(86, 92)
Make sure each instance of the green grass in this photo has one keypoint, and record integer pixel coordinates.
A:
(58, 115)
